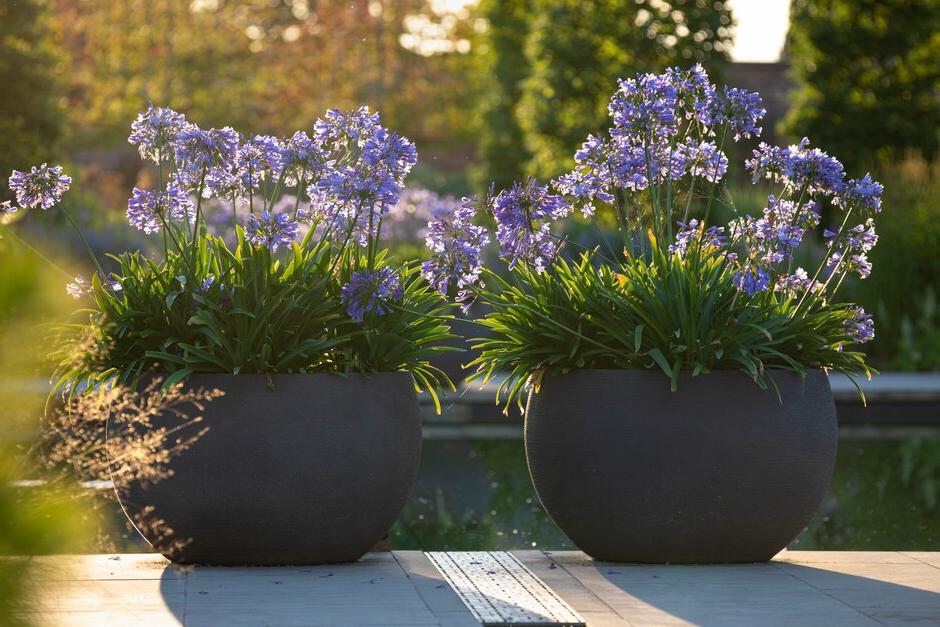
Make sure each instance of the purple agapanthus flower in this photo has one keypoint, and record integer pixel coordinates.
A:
(42, 186)
(861, 265)
(847, 262)
(862, 237)
(256, 160)
(154, 131)
(301, 157)
(738, 109)
(523, 216)
(209, 154)
(348, 198)
(391, 150)
(371, 293)
(771, 239)
(691, 233)
(644, 107)
(864, 193)
(271, 230)
(352, 195)
(796, 283)
(704, 159)
(456, 251)
(860, 326)
(592, 176)
(851, 251)
(147, 210)
(798, 167)
(206, 284)
(693, 88)
(752, 280)
(660, 159)
(79, 287)
(345, 127)
(600, 167)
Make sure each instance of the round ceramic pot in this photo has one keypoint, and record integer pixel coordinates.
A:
(298, 469)
(718, 471)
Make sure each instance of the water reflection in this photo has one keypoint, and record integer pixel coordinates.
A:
(476, 494)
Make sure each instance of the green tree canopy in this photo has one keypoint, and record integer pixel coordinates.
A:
(504, 66)
(868, 74)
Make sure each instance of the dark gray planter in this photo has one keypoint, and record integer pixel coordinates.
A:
(313, 471)
(719, 471)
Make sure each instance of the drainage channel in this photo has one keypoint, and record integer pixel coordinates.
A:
(500, 590)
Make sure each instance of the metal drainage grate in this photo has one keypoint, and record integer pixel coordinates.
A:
(500, 590)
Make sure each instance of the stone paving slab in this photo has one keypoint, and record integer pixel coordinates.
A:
(824, 588)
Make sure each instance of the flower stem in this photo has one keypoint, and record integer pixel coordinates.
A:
(91, 253)
(9, 231)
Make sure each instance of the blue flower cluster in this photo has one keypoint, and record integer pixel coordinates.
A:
(42, 186)
(204, 157)
(352, 169)
(154, 133)
(363, 174)
(664, 128)
(371, 292)
(692, 233)
(667, 141)
(271, 230)
(148, 210)
(852, 256)
(769, 241)
(524, 215)
(860, 326)
(798, 167)
(456, 246)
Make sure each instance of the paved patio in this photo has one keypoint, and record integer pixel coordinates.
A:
(831, 589)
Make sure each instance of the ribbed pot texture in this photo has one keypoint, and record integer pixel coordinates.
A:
(719, 471)
(312, 470)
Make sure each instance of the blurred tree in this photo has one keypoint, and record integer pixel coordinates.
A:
(31, 115)
(504, 67)
(902, 289)
(577, 50)
(868, 74)
(269, 66)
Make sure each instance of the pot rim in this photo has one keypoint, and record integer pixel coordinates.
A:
(656, 372)
(284, 375)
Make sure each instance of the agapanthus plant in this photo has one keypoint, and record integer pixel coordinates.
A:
(681, 294)
(271, 261)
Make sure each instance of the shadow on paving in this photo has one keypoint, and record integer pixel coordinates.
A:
(376, 590)
(405, 589)
(773, 593)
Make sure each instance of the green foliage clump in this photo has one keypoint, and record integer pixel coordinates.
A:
(868, 76)
(670, 313)
(244, 310)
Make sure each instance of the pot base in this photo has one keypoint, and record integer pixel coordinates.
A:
(313, 471)
(719, 471)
